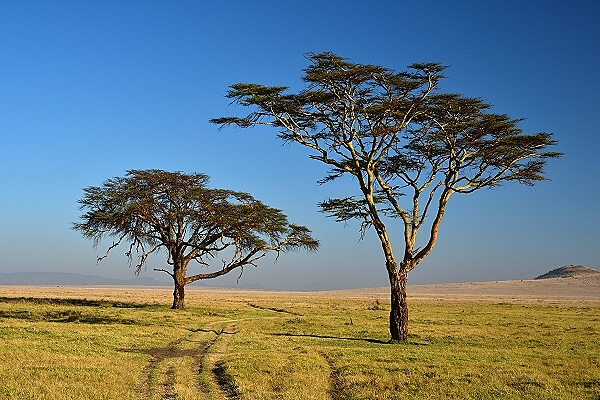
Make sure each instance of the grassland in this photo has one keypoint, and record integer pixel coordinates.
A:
(127, 344)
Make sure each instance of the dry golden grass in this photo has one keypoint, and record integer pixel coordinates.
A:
(125, 343)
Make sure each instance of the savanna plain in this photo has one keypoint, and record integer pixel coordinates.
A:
(467, 341)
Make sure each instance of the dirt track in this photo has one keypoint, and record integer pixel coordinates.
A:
(159, 375)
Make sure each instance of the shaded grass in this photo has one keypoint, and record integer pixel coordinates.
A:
(296, 347)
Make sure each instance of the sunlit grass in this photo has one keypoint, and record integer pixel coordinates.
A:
(456, 350)
(261, 345)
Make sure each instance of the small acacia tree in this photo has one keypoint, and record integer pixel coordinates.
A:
(177, 212)
(409, 148)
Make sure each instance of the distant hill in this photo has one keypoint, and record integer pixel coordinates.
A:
(69, 279)
(570, 271)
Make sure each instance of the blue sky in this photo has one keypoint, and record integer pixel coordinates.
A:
(91, 89)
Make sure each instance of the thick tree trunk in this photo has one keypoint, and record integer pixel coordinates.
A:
(399, 306)
(398, 278)
(178, 297)
(179, 291)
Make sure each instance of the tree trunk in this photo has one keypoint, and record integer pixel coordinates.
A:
(399, 307)
(398, 278)
(178, 292)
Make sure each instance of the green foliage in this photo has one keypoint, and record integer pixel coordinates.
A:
(408, 146)
(397, 135)
(177, 212)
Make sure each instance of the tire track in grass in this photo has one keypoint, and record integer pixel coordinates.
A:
(221, 380)
(154, 376)
(157, 377)
(168, 385)
(338, 390)
(225, 381)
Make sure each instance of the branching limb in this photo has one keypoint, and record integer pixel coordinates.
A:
(112, 246)
(164, 270)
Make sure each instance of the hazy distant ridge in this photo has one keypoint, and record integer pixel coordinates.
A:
(70, 279)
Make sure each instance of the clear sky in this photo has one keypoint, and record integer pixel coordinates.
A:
(89, 90)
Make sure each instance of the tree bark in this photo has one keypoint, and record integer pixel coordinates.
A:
(398, 278)
(178, 297)
(399, 306)
(179, 291)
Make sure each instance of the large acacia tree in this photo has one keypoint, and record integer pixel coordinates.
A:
(176, 212)
(408, 146)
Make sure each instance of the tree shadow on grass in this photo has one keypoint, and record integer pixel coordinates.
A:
(67, 315)
(369, 340)
(219, 332)
(64, 317)
(73, 302)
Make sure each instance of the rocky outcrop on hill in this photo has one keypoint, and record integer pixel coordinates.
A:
(571, 271)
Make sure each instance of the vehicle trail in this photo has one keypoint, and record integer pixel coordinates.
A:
(159, 375)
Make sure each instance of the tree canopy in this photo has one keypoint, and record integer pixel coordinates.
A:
(408, 146)
(156, 210)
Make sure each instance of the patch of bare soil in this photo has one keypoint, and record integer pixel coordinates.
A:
(164, 377)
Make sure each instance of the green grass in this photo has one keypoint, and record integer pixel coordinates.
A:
(274, 346)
